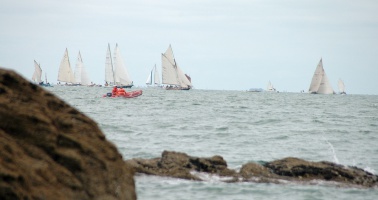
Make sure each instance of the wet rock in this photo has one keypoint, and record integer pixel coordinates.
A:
(181, 165)
(49, 150)
(305, 170)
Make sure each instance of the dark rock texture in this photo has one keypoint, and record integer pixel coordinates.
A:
(305, 171)
(180, 165)
(49, 150)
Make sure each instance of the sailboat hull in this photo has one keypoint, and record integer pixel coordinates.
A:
(176, 88)
(124, 86)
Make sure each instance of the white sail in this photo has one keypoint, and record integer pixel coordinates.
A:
(157, 80)
(341, 86)
(81, 76)
(65, 73)
(270, 87)
(109, 71)
(325, 86)
(149, 79)
(78, 69)
(121, 75)
(184, 81)
(37, 73)
(171, 72)
(317, 78)
(320, 83)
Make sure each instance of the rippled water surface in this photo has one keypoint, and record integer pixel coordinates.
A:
(241, 127)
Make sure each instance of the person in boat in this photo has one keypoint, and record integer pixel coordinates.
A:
(115, 90)
(121, 91)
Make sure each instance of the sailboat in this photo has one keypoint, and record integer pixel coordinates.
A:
(109, 72)
(65, 73)
(270, 87)
(172, 75)
(81, 76)
(153, 78)
(115, 71)
(341, 86)
(320, 83)
(38, 74)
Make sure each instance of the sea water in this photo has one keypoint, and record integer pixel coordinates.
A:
(241, 127)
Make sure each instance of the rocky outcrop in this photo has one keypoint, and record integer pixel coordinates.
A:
(49, 150)
(180, 165)
(302, 170)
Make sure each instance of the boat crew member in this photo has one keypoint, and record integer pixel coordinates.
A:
(115, 90)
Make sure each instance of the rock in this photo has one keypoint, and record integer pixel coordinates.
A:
(304, 170)
(180, 165)
(49, 150)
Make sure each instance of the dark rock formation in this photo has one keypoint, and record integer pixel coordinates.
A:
(305, 170)
(49, 150)
(180, 165)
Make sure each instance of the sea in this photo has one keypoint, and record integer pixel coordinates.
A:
(241, 127)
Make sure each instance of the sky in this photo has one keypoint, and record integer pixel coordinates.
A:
(222, 45)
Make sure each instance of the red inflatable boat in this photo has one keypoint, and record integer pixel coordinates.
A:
(130, 94)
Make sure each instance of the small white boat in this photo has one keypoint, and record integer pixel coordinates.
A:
(341, 87)
(153, 79)
(270, 87)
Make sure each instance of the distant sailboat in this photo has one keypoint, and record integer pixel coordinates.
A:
(270, 87)
(320, 83)
(341, 86)
(65, 73)
(37, 75)
(81, 76)
(115, 72)
(109, 71)
(153, 78)
(172, 75)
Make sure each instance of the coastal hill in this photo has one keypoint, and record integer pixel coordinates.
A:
(49, 150)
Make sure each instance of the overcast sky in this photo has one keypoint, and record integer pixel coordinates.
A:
(225, 45)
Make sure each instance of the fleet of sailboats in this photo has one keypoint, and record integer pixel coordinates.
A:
(115, 70)
(320, 83)
(172, 76)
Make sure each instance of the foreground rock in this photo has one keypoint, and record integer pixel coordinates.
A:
(180, 165)
(49, 150)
